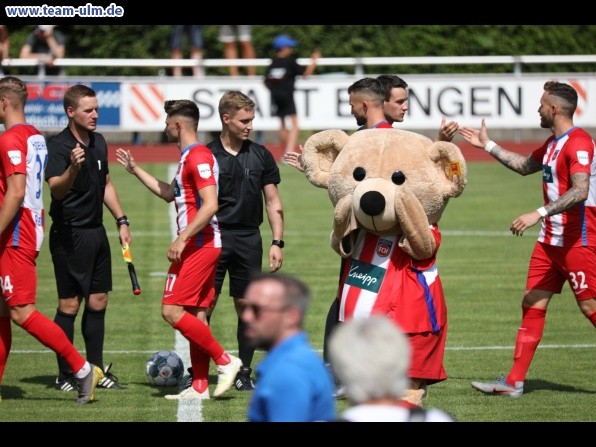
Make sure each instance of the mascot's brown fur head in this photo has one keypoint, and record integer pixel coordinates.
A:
(386, 181)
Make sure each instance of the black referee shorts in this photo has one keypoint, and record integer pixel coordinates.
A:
(82, 260)
(241, 255)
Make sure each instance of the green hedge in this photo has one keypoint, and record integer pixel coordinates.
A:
(122, 41)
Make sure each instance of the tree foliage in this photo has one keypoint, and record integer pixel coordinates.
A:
(153, 41)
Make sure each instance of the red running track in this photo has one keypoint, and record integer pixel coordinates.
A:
(170, 154)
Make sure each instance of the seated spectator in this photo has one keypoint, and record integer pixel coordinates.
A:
(46, 44)
(229, 35)
(4, 46)
(195, 40)
(371, 357)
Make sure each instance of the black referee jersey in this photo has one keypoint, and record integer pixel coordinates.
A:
(241, 181)
(83, 205)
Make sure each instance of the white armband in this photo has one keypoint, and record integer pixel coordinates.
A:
(542, 211)
(488, 147)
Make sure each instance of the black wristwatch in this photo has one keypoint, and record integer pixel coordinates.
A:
(279, 242)
(122, 221)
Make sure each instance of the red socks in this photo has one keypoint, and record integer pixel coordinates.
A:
(592, 318)
(199, 361)
(223, 359)
(50, 335)
(528, 338)
(5, 343)
(199, 333)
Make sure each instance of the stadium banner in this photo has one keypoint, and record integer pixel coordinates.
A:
(506, 101)
(45, 105)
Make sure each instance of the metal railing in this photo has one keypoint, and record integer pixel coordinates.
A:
(357, 62)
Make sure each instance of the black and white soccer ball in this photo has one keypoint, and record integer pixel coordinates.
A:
(164, 368)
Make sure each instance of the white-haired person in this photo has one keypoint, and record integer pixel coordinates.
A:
(371, 357)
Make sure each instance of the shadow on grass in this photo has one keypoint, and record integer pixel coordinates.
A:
(161, 391)
(12, 392)
(534, 385)
(49, 381)
(538, 384)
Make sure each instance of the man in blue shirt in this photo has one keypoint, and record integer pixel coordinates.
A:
(293, 383)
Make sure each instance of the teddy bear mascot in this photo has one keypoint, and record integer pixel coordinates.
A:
(389, 188)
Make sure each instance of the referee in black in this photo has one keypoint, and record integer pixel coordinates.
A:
(248, 176)
(79, 180)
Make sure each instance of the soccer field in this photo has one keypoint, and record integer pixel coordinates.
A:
(482, 267)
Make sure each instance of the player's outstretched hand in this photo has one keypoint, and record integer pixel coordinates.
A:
(447, 130)
(294, 159)
(475, 137)
(125, 158)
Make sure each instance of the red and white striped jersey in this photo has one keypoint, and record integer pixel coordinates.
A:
(381, 278)
(197, 169)
(562, 157)
(23, 151)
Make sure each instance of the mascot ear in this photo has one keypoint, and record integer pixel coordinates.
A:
(344, 227)
(449, 159)
(318, 154)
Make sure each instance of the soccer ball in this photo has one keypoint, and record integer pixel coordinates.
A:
(164, 368)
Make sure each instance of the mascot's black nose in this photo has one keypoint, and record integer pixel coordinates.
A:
(372, 203)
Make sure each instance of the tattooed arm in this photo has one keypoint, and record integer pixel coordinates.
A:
(521, 164)
(580, 185)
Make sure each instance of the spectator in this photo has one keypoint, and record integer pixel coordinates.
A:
(280, 79)
(4, 46)
(371, 358)
(46, 44)
(195, 40)
(293, 383)
(229, 35)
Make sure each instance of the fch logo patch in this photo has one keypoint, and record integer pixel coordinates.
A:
(384, 248)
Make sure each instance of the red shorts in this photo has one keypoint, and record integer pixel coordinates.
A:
(428, 349)
(18, 276)
(551, 266)
(191, 282)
